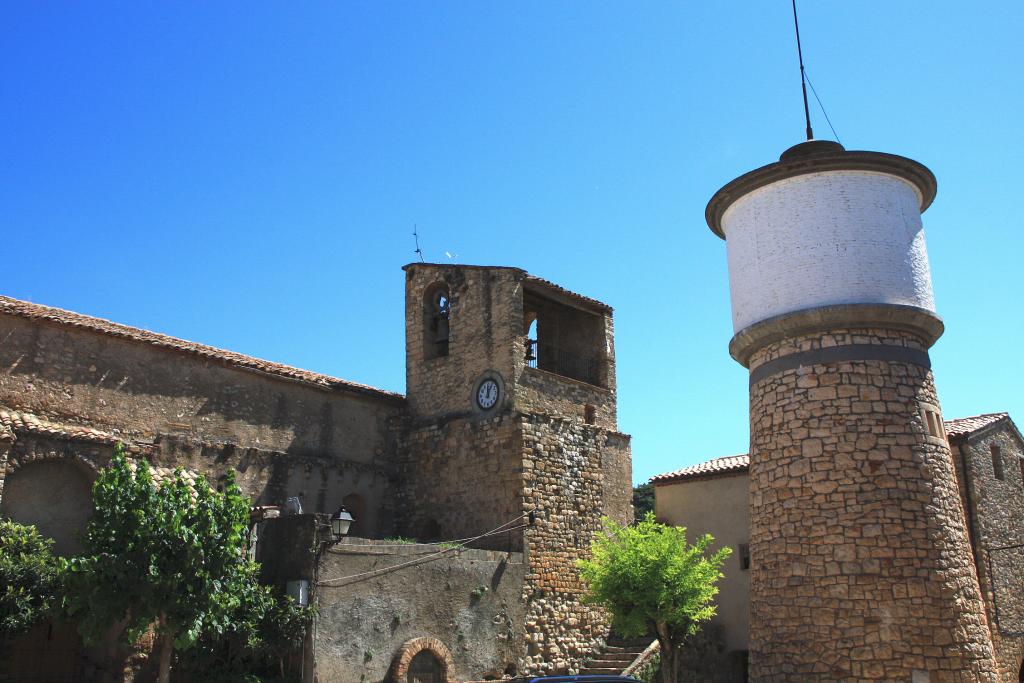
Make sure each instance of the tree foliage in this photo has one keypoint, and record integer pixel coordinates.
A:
(169, 557)
(653, 581)
(643, 501)
(28, 577)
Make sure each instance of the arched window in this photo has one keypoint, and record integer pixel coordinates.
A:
(425, 667)
(531, 339)
(437, 319)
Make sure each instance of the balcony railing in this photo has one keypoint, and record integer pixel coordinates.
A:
(561, 362)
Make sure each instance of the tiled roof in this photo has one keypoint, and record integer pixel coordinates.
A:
(14, 422)
(965, 426)
(725, 465)
(32, 311)
(569, 293)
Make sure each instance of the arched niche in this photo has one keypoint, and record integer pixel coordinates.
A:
(54, 495)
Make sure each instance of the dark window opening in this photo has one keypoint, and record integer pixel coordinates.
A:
(744, 555)
(437, 322)
(564, 340)
(1022, 471)
(589, 413)
(997, 463)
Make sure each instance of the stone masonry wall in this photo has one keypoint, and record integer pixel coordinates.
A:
(573, 475)
(283, 437)
(468, 600)
(539, 391)
(861, 566)
(997, 512)
(462, 478)
(484, 326)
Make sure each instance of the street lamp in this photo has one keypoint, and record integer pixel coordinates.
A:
(340, 523)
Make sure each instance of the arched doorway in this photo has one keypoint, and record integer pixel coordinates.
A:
(425, 667)
(422, 660)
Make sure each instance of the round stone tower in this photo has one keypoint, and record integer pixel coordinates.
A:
(861, 564)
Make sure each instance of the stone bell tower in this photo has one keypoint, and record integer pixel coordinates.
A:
(861, 566)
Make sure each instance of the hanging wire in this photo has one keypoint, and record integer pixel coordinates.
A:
(822, 107)
(504, 528)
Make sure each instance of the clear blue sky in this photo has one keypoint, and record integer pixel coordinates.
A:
(248, 174)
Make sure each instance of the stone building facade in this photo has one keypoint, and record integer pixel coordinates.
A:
(712, 497)
(505, 440)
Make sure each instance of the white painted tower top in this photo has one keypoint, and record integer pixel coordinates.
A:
(825, 227)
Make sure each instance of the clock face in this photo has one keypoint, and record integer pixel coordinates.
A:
(487, 394)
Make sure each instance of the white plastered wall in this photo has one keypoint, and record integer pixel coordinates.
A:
(835, 237)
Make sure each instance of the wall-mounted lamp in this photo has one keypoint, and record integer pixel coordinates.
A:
(340, 522)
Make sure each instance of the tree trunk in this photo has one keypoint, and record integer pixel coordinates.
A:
(669, 654)
(166, 650)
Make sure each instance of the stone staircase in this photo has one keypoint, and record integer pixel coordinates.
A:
(616, 656)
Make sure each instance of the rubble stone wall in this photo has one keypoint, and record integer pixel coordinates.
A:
(861, 564)
(573, 475)
(997, 513)
(468, 600)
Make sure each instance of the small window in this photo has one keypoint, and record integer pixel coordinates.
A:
(997, 463)
(744, 555)
(589, 413)
(1022, 471)
(933, 421)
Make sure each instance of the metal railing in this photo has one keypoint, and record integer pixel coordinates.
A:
(561, 362)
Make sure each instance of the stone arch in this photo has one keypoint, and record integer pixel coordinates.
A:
(87, 464)
(411, 648)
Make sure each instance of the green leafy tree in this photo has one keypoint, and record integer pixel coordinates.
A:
(266, 631)
(652, 580)
(643, 501)
(169, 557)
(28, 578)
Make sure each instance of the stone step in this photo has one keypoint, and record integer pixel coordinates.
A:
(608, 671)
(614, 657)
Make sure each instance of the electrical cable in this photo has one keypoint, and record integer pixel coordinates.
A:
(420, 560)
(504, 528)
(398, 544)
(822, 106)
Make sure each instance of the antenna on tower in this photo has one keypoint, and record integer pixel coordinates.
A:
(803, 77)
(416, 236)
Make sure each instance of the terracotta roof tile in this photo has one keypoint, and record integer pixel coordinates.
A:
(15, 421)
(724, 465)
(32, 311)
(569, 293)
(964, 426)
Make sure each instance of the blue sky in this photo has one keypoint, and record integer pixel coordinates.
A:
(248, 174)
